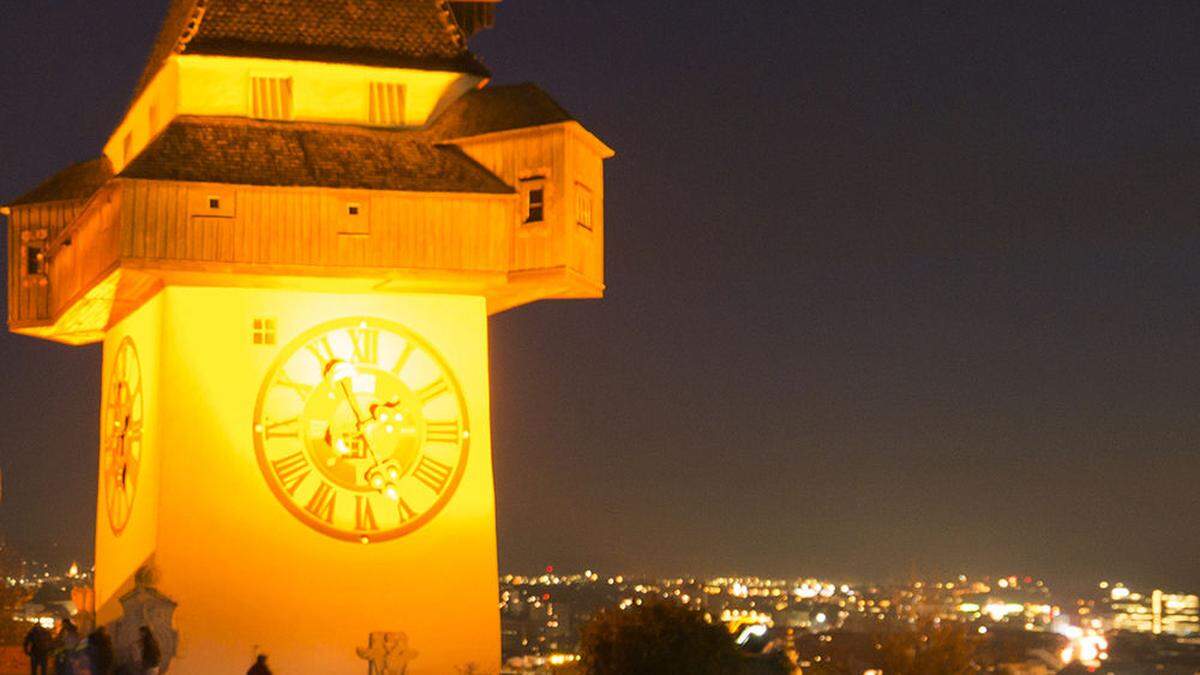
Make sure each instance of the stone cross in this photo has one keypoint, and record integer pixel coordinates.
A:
(387, 653)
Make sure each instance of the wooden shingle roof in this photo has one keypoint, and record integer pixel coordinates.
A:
(493, 109)
(250, 152)
(78, 181)
(243, 151)
(420, 34)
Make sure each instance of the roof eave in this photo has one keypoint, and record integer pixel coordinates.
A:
(465, 63)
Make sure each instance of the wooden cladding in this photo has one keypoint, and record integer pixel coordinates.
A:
(302, 227)
(271, 98)
(544, 241)
(31, 229)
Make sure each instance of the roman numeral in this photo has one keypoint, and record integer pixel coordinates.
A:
(406, 512)
(302, 390)
(442, 432)
(285, 429)
(409, 348)
(322, 351)
(432, 473)
(364, 517)
(291, 471)
(366, 344)
(322, 502)
(434, 390)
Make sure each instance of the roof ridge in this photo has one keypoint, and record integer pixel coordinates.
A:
(452, 27)
(358, 129)
(196, 17)
(421, 34)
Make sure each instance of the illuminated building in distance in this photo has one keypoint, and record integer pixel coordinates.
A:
(289, 248)
(1156, 612)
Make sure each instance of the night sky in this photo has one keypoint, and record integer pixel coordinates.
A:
(893, 287)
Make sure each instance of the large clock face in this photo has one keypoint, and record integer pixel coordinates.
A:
(361, 430)
(122, 445)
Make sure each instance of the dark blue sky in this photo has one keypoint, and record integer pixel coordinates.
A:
(892, 286)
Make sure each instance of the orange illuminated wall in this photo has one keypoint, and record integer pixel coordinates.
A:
(246, 569)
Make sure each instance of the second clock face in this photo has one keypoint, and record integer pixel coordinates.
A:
(122, 448)
(361, 430)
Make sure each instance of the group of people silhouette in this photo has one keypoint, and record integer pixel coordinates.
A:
(74, 654)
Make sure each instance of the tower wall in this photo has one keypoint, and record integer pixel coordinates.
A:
(120, 556)
(246, 572)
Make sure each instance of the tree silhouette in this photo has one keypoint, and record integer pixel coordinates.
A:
(934, 648)
(657, 638)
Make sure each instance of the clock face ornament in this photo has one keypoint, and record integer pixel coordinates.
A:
(361, 430)
(122, 450)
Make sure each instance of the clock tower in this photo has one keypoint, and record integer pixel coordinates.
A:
(290, 247)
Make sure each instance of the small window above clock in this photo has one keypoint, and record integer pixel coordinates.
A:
(263, 332)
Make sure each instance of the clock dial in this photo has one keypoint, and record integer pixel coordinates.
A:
(122, 446)
(361, 430)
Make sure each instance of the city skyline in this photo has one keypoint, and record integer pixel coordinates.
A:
(888, 289)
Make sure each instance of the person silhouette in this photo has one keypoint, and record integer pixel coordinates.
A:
(151, 654)
(37, 648)
(260, 666)
(100, 652)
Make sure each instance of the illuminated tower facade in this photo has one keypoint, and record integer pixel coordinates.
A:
(290, 248)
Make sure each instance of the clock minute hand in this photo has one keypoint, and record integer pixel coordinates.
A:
(342, 373)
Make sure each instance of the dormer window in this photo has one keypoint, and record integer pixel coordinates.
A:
(387, 104)
(271, 98)
(534, 189)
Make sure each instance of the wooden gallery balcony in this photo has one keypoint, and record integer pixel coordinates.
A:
(299, 206)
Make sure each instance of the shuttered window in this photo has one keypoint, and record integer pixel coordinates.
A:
(584, 206)
(387, 104)
(271, 98)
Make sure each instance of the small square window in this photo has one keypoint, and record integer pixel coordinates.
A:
(214, 203)
(352, 209)
(264, 331)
